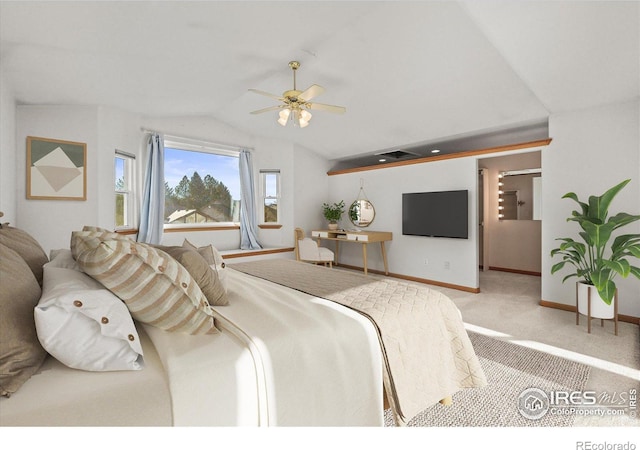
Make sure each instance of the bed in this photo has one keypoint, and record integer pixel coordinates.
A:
(274, 354)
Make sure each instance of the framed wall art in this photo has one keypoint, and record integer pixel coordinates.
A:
(56, 170)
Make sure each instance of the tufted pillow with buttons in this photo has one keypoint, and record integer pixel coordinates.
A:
(156, 288)
(83, 325)
(212, 256)
(205, 275)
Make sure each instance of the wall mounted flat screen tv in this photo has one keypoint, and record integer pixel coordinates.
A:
(436, 214)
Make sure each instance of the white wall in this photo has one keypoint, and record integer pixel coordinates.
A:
(407, 254)
(592, 150)
(8, 153)
(312, 187)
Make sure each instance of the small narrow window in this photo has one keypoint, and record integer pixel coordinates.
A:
(124, 190)
(270, 182)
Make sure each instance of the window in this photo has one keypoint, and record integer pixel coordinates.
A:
(202, 183)
(124, 190)
(270, 192)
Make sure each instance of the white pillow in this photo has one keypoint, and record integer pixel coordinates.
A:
(63, 258)
(84, 325)
(213, 258)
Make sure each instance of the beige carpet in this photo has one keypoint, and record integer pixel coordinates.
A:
(510, 370)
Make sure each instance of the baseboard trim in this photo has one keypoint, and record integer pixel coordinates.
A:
(572, 308)
(522, 272)
(265, 251)
(416, 279)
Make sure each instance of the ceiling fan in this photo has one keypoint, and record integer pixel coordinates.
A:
(296, 104)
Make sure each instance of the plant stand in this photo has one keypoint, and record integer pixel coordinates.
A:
(615, 311)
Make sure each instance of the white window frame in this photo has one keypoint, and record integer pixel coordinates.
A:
(195, 145)
(129, 191)
(264, 197)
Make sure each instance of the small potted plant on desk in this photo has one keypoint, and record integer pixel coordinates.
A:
(596, 263)
(333, 213)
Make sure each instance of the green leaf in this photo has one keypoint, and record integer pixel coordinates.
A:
(634, 250)
(607, 291)
(574, 197)
(557, 267)
(621, 267)
(598, 234)
(599, 206)
(600, 277)
(571, 275)
(622, 219)
(586, 238)
(635, 271)
(623, 240)
(577, 246)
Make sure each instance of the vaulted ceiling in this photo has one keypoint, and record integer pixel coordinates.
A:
(407, 72)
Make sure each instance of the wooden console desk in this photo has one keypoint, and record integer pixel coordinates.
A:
(357, 237)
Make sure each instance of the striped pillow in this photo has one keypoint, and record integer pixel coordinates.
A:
(155, 287)
(90, 237)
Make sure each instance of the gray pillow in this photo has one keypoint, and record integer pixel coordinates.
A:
(27, 247)
(205, 276)
(21, 354)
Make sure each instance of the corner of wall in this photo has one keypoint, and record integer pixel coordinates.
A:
(8, 152)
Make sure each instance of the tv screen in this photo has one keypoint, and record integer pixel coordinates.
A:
(436, 214)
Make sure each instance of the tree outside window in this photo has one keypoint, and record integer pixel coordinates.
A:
(124, 190)
(270, 189)
(201, 186)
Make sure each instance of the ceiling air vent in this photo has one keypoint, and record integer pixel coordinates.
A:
(397, 154)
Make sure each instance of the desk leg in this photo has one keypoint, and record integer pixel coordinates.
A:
(384, 258)
(337, 251)
(364, 257)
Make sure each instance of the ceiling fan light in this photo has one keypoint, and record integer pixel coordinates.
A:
(303, 123)
(284, 114)
(305, 115)
(282, 121)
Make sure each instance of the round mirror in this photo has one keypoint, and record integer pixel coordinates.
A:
(361, 213)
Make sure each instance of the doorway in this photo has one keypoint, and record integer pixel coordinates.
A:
(509, 239)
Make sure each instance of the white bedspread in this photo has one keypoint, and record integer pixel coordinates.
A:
(284, 358)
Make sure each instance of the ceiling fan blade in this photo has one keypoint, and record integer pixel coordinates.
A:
(311, 92)
(330, 108)
(277, 97)
(271, 108)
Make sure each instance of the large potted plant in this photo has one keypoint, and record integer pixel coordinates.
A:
(597, 263)
(333, 213)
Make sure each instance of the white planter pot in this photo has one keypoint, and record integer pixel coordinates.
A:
(333, 226)
(599, 309)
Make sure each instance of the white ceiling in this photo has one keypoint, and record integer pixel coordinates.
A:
(407, 72)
